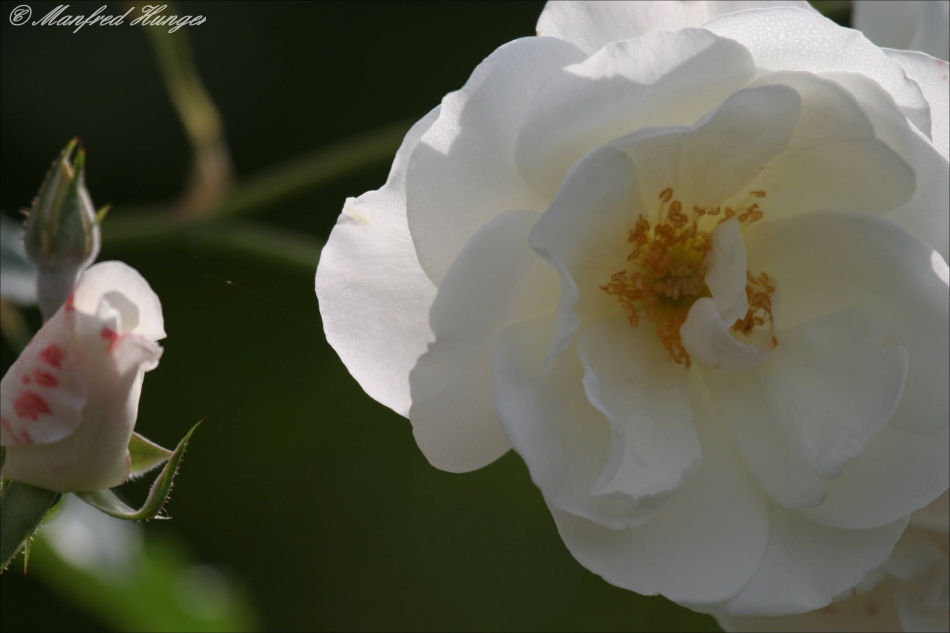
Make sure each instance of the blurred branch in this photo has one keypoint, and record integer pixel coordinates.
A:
(260, 192)
(212, 171)
(262, 240)
(316, 168)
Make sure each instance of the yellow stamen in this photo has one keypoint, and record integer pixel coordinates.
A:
(667, 270)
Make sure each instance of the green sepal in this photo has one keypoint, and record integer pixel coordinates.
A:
(101, 214)
(107, 501)
(22, 508)
(145, 455)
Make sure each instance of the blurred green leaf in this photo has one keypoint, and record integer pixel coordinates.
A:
(134, 580)
(22, 508)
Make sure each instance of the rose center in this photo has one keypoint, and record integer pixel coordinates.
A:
(666, 270)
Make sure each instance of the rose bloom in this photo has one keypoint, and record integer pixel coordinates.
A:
(68, 404)
(689, 261)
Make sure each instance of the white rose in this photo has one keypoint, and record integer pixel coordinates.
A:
(740, 416)
(68, 404)
(918, 25)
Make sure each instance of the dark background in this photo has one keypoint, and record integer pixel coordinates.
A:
(313, 495)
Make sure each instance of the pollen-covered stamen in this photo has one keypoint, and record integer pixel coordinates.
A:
(667, 269)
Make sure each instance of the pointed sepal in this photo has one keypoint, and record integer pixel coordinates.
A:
(22, 508)
(107, 501)
(145, 455)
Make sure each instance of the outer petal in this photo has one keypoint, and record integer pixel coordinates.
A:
(660, 79)
(826, 389)
(824, 262)
(374, 296)
(792, 39)
(927, 214)
(834, 162)
(564, 441)
(931, 75)
(654, 447)
(874, 612)
(139, 309)
(43, 394)
(704, 543)
(591, 25)
(462, 173)
(806, 564)
(496, 281)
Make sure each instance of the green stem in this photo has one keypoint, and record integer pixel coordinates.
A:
(235, 235)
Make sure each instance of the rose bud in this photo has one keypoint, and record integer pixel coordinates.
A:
(68, 404)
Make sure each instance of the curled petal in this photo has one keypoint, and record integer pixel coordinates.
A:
(495, 282)
(591, 25)
(564, 441)
(374, 297)
(462, 173)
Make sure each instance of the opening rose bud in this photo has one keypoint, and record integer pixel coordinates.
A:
(68, 404)
(62, 230)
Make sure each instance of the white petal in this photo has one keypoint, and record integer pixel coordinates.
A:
(806, 565)
(896, 474)
(629, 377)
(708, 340)
(873, 612)
(660, 79)
(824, 262)
(140, 310)
(714, 159)
(726, 269)
(374, 296)
(792, 39)
(496, 281)
(931, 75)
(43, 394)
(927, 214)
(462, 173)
(583, 235)
(826, 389)
(591, 25)
(564, 441)
(705, 542)
(834, 161)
